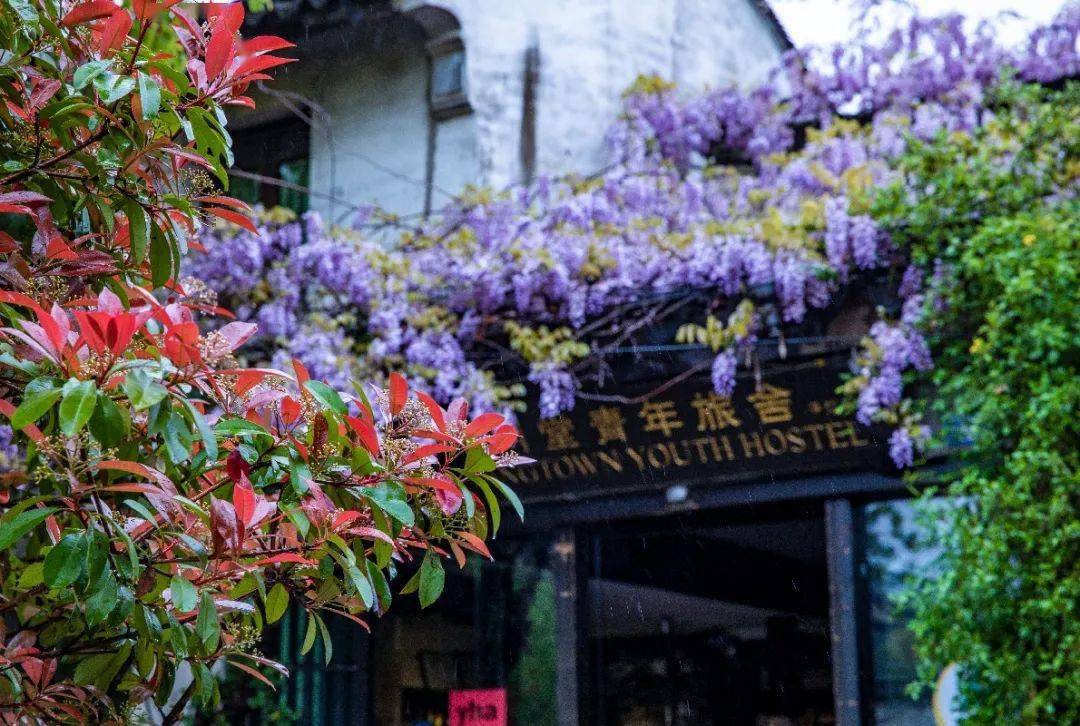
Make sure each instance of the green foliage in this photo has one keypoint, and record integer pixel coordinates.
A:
(1004, 316)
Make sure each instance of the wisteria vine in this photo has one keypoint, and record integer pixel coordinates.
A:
(757, 200)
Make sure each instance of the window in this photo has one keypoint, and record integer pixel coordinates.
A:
(277, 150)
(895, 546)
(447, 83)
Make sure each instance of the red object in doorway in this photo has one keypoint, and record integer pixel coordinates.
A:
(478, 707)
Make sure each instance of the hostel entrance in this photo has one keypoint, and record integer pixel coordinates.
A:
(703, 619)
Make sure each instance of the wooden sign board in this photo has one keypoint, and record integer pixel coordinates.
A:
(782, 426)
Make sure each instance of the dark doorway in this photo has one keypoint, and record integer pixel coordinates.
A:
(710, 619)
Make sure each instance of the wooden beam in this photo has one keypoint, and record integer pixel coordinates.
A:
(563, 561)
(840, 548)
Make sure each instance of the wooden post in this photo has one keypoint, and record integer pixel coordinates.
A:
(843, 615)
(564, 568)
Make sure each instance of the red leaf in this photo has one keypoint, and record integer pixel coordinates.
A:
(265, 43)
(225, 202)
(229, 15)
(15, 208)
(438, 416)
(219, 51)
(93, 10)
(252, 672)
(290, 410)
(475, 543)
(235, 217)
(8, 408)
(44, 91)
(145, 9)
(260, 63)
(134, 467)
(236, 467)
(302, 375)
(423, 452)
(18, 298)
(223, 524)
(483, 423)
(436, 435)
(369, 439)
(25, 197)
(344, 517)
(244, 502)
(114, 32)
(399, 392)
(502, 440)
(59, 250)
(458, 410)
(248, 379)
(435, 483)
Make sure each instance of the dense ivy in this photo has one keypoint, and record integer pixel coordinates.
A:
(995, 213)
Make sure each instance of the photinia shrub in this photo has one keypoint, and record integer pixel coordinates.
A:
(159, 503)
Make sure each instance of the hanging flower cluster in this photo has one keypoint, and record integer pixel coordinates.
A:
(559, 274)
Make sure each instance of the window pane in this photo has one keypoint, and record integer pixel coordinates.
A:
(895, 547)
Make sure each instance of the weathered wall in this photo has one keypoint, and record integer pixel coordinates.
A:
(590, 51)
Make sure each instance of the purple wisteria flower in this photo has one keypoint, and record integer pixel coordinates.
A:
(788, 224)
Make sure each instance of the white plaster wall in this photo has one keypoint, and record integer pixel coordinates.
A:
(369, 141)
(591, 50)
(373, 146)
(457, 163)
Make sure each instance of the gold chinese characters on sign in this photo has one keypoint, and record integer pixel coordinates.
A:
(773, 427)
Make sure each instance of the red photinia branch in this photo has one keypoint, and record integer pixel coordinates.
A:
(159, 502)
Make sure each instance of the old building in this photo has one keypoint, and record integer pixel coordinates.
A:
(408, 102)
(685, 559)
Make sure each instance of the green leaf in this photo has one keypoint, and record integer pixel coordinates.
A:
(327, 396)
(112, 86)
(109, 424)
(149, 95)
(87, 72)
(102, 599)
(362, 584)
(36, 401)
(184, 596)
(432, 579)
(390, 497)
(65, 561)
(511, 496)
(237, 427)
(206, 434)
(207, 626)
(162, 258)
(382, 587)
(494, 510)
(139, 229)
(309, 635)
(178, 438)
(328, 646)
(77, 405)
(277, 602)
(477, 461)
(99, 670)
(13, 528)
(96, 557)
(143, 390)
(32, 576)
(143, 511)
